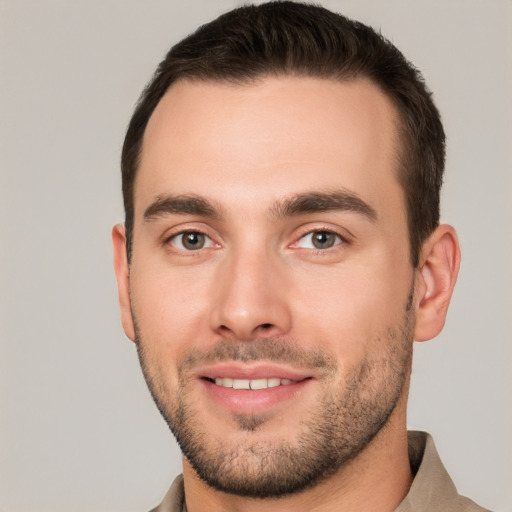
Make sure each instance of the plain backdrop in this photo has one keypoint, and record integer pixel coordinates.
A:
(78, 429)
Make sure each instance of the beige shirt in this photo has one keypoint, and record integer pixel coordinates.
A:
(432, 489)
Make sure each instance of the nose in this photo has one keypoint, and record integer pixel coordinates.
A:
(251, 298)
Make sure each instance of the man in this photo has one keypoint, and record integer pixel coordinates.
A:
(281, 251)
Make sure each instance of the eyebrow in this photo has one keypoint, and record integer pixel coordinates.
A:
(313, 202)
(180, 205)
(300, 204)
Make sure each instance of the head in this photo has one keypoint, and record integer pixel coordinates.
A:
(281, 179)
(279, 39)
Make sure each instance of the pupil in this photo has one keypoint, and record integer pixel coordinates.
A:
(193, 241)
(323, 240)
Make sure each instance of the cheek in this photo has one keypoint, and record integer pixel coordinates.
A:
(349, 310)
(169, 308)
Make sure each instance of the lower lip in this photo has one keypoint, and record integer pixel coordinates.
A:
(245, 401)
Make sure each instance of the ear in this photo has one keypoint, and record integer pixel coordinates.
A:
(435, 280)
(122, 270)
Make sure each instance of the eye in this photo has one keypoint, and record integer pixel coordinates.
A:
(190, 241)
(319, 240)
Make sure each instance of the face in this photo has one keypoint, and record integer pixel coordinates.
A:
(270, 281)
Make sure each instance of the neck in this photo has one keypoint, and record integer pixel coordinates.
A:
(376, 480)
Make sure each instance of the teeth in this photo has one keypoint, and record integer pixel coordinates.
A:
(241, 384)
(226, 382)
(273, 382)
(259, 384)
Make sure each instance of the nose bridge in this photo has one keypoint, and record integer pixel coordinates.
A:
(250, 294)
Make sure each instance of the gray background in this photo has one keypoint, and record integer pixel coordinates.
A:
(78, 430)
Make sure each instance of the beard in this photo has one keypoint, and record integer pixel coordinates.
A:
(353, 408)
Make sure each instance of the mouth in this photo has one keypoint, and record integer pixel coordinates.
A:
(251, 384)
(245, 389)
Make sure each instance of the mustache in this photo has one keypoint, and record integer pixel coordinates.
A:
(262, 349)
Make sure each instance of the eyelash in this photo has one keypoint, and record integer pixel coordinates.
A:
(169, 239)
(341, 240)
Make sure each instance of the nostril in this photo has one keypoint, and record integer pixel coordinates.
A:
(246, 332)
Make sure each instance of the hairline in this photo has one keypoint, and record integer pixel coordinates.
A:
(400, 134)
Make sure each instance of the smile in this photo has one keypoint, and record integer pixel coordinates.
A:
(252, 388)
(255, 384)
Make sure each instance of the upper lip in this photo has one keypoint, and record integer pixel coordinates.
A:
(236, 370)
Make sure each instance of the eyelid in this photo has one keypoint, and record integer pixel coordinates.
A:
(343, 235)
(177, 231)
(174, 238)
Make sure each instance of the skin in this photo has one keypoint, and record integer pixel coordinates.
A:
(247, 150)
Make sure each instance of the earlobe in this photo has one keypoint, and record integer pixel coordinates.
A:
(436, 277)
(122, 268)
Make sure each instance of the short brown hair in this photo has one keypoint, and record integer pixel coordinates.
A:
(290, 38)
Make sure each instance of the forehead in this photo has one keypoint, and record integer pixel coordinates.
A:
(261, 141)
